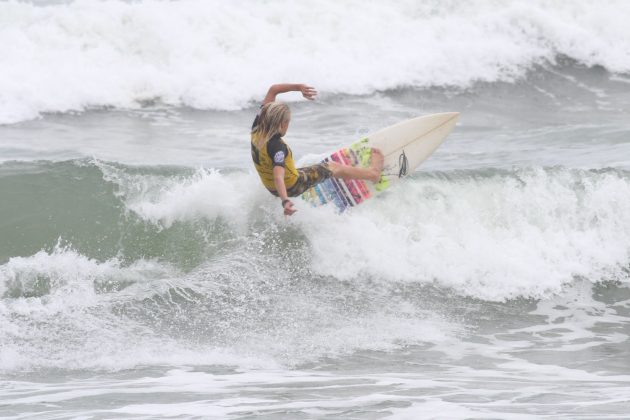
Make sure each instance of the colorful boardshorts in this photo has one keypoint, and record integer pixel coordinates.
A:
(308, 177)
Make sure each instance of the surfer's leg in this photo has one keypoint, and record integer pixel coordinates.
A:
(308, 177)
(373, 173)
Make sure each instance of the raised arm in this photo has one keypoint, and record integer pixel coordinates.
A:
(308, 92)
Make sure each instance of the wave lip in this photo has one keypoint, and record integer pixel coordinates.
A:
(214, 55)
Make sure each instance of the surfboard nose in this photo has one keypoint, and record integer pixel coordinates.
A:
(445, 117)
(450, 118)
(453, 114)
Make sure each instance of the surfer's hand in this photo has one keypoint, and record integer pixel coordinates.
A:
(308, 92)
(288, 208)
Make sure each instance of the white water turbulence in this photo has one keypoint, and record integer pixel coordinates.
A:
(540, 228)
(217, 55)
(145, 272)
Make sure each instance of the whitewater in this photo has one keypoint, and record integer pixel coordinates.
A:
(217, 55)
(146, 273)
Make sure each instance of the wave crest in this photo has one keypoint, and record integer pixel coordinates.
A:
(216, 55)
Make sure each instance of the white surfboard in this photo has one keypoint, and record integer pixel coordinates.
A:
(404, 145)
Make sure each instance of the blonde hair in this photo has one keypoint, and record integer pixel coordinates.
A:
(272, 116)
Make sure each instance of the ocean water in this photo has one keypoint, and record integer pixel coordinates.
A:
(146, 273)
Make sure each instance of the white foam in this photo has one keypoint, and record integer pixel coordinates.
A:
(521, 233)
(72, 325)
(69, 314)
(207, 193)
(68, 325)
(66, 272)
(219, 55)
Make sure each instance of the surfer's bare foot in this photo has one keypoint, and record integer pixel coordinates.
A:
(377, 164)
(372, 173)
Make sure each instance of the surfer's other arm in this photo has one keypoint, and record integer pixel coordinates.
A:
(281, 188)
(308, 92)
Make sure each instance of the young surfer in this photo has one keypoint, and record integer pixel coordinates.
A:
(273, 158)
